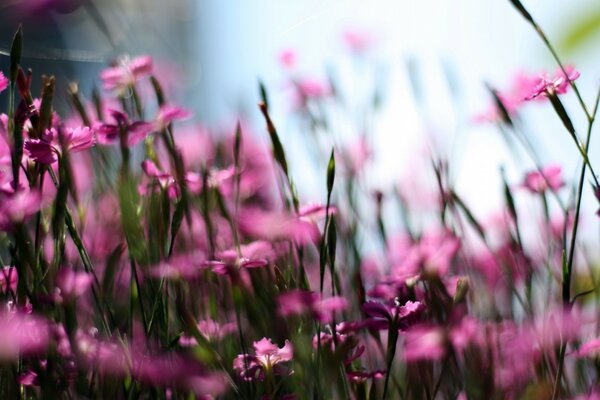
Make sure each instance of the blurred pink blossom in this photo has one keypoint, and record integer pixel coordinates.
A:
(549, 178)
(268, 358)
(296, 302)
(126, 73)
(3, 82)
(288, 58)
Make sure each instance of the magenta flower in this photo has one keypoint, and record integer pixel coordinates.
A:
(355, 157)
(230, 262)
(168, 114)
(168, 370)
(22, 335)
(211, 330)
(381, 315)
(8, 279)
(288, 58)
(15, 207)
(363, 376)
(108, 134)
(47, 150)
(297, 302)
(549, 178)
(357, 41)
(182, 266)
(126, 73)
(590, 348)
(424, 343)
(73, 284)
(3, 82)
(556, 84)
(273, 226)
(268, 359)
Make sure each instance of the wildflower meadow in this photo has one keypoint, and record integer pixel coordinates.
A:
(143, 257)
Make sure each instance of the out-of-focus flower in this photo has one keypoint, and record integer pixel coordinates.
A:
(22, 335)
(297, 302)
(307, 90)
(167, 370)
(169, 113)
(268, 358)
(553, 84)
(47, 149)
(273, 225)
(549, 178)
(424, 343)
(357, 41)
(108, 134)
(287, 58)
(15, 207)
(355, 157)
(211, 330)
(381, 315)
(126, 73)
(8, 279)
(363, 376)
(73, 284)
(3, 82)
(527, 87)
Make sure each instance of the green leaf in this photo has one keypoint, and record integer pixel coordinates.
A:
(160, 97)
(582, 30)
(46, 105)
(519, 6)
(469, 215)
(330, 174)
(134, 234)
(263, 94)
(278, 151)
(15, 54)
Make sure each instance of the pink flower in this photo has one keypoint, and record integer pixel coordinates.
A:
(15, 207)
(108, 134)
(168, 369)
(358, 42)
(297, 302)
(73, 284)
(548, 178)
(424, 343)
(355, 157)
(168, 114)
(381, 315)
(556, 84)
(22, 335)
(287, 58)
(308, 89)
(273, 225)
(126, 73)
(3, 82)
(211, 330)
(229, 262)
(47, 149)
(266, 360)
(363, 376)
(8, 279)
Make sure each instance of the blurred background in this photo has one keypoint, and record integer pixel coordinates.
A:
(424, 63)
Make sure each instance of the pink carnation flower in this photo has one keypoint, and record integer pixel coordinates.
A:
(556, 84)
(47, 149)
(548, 178)
(268, 358)
(126, 73)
